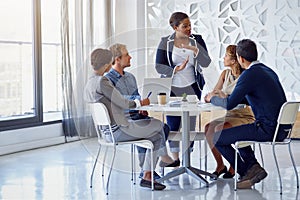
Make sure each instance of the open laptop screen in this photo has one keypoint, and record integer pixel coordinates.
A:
(156, 85)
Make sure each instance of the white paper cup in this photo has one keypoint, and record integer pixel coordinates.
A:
(161, 98)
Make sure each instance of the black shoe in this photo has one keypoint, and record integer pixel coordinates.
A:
(224, 170)
(228, 175)
(147, 184)
(156, 176)
(176, 163)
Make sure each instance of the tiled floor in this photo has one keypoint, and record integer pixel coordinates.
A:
(63, 172)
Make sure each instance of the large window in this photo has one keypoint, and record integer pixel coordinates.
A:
(51, 59)
(25, 33)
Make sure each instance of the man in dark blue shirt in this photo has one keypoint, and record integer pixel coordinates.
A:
(261, 87)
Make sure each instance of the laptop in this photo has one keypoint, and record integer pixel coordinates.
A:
(156, 85)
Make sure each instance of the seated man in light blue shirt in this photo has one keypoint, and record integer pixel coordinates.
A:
(125, 82)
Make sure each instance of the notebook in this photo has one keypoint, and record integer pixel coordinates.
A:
(156, 85)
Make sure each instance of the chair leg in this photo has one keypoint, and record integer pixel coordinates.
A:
(95, 163)
(152, 170)
(104, 158)
(200, 155)
(205, 154)
(278, 171)
(261, 156)
(133, 179)
(205, 151)
(235, 168)
(134, 161)
(294, 165)
(111, 166)
(131, 157)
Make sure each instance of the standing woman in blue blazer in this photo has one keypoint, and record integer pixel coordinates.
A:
(181, 56)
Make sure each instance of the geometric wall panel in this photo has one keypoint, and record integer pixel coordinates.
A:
(273, 24)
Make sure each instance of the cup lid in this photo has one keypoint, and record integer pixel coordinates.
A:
(162, 93)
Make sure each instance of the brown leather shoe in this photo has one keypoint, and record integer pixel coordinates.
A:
(254, 175)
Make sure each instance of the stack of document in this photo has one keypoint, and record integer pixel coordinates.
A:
(175, 103)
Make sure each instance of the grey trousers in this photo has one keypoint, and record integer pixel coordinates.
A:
(151, 129)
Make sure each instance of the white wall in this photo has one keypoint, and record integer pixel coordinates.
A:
(273, 25)
(29, 138)
(130, 30)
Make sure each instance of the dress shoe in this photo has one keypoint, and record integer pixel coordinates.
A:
(254, 175)
(147, 184)
(156, 176)
(224, 170)
(228, 175)
(176, 163)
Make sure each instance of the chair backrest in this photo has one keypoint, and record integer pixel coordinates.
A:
(287, 115)
(100, 114)
(101, 118)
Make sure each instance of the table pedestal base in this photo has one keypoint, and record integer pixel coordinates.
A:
(194, 172)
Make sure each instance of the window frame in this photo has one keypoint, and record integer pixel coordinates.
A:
(37, 119)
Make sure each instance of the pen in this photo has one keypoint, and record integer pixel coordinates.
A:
(149, 94)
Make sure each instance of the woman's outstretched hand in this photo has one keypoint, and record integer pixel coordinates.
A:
(183, 65)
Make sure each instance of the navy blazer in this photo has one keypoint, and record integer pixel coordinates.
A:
(263, 90)
(164, 63)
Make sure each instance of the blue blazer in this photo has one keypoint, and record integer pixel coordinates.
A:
(164, 63)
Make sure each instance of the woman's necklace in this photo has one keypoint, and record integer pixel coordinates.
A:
(179, 41)
(234, 76)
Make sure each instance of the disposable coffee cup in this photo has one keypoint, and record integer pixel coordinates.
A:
(162, 98)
